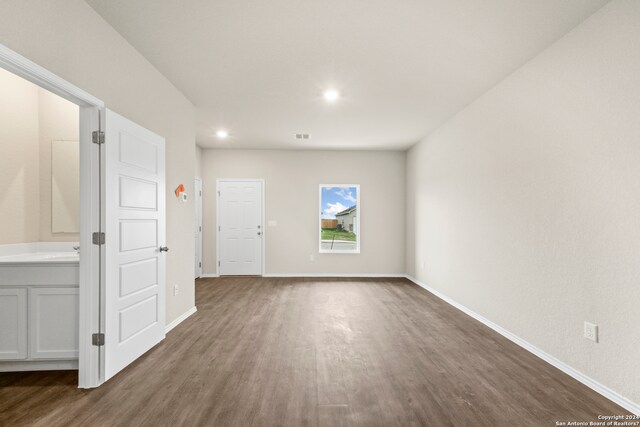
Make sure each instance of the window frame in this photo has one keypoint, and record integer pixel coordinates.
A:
(357, 220)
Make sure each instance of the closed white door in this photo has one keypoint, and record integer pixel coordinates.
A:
(135, 239)
(240, 229)
(198, 227)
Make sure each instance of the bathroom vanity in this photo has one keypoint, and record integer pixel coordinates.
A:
(39, 307)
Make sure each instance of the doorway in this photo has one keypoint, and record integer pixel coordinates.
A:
(88, 276)
(197, 190)
(240, 232)
(121, 292)
(39, 227)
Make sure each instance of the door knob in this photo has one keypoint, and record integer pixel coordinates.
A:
(164, 249)
(259, 233)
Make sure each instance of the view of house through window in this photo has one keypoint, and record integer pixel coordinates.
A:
(339, 218)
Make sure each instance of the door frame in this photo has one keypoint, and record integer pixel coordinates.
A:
(201, 211)
(91, 108)
(264, 233)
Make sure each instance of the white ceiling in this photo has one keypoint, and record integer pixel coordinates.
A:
(257, 68)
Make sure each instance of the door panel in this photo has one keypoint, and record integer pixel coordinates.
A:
(240, 221)
(137, 152)
(136, 193)
(53, 323)
(138, 234)
(138, 275)
(138, 316)
(13, 318)
(134, 230)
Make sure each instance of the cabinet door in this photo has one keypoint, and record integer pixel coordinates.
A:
(53, 323)
(13, 324)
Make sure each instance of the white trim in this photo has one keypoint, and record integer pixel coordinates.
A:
(263, 228)
(339, 275)
(358, 212)
(89, 272)
(589, 382)
(180, 319)
(199, 213)
(208, 275)
(29, 70)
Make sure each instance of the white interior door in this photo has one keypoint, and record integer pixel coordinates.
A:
(197, 189)
(240, 229)
(134, 234)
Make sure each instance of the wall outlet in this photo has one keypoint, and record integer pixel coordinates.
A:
(176, 290)
(591, 331)
(312, 257)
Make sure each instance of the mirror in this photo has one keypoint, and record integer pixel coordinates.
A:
(65, 186)
(340, 218)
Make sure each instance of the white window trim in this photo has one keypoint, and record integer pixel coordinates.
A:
(358, 229)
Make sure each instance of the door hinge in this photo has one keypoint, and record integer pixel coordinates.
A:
(200, 264)
(218, 228)
(200, 228)
(218, 263)
(97, 137)
(97, 339)
(201, 192)
(98, 238)
(218, 193)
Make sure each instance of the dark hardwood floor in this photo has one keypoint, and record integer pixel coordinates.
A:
(331, 352)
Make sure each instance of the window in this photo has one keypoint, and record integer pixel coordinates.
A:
(339, 216)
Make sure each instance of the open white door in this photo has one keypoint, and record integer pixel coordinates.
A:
(134, 294)
(240, 229)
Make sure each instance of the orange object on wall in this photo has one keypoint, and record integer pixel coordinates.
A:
(179, 190)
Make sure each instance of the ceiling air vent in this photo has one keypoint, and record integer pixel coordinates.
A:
(302, 136)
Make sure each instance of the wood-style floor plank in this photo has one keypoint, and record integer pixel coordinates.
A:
(314, 352)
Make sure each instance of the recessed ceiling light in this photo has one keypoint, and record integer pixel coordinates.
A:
(302, 136)
(222, 134)
(331, 95)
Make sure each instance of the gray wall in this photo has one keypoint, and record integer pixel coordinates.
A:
(71, 40)
(525, 206)
(19, 161)
(30, 118)
(292, 180)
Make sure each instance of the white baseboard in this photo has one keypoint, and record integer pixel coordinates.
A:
(180, 319)
(328, 275)
(337, 275)
(589, 382)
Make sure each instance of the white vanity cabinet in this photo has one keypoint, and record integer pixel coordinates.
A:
(39, 311)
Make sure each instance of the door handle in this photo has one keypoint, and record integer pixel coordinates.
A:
(259, 233)
(164, 249)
